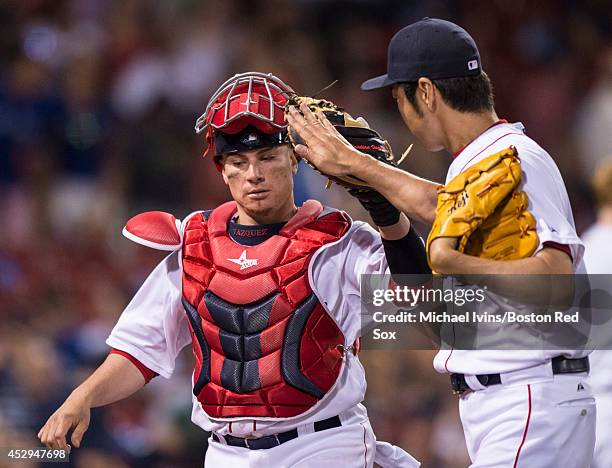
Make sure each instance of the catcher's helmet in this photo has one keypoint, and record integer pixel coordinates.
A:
(246, 99)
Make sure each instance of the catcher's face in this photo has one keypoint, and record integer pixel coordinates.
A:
(261, 183)
(422, 121)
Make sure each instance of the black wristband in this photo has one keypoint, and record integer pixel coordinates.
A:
(382, 212)
(407, 255)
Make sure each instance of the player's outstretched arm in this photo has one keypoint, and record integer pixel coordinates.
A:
(327, 150)
(116, 379)
(413, 195)
(528, 279)
(446, 260)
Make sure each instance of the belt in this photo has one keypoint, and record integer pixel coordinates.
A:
(275, 440)
(560, 365)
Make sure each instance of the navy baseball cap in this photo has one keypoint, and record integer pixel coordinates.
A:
(431, 48)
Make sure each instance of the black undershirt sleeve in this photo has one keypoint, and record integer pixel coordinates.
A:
(407, 255)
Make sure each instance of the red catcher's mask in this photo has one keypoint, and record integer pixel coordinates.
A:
(252, 98)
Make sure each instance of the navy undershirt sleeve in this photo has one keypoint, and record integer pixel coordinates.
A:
(407, 255)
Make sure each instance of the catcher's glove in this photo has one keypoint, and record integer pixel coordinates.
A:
(356, 131)
(485, 211)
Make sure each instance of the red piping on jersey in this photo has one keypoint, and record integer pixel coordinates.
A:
(365, 455)
(147, 373)
(562, 247)
(458, 152)
(526, 427)
(451, 352)
(490, 144)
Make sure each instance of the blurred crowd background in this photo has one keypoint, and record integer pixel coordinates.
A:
(98, 99)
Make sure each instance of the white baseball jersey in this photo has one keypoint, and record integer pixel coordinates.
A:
(598, 248)
(153, 327)
(598, 260)
(549, 203)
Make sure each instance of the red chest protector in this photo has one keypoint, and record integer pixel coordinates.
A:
(264, 345)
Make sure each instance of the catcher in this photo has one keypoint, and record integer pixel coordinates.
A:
(504, 210)
(266, 293)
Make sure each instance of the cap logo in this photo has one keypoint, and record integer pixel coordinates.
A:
(251, 139)
(472, 64)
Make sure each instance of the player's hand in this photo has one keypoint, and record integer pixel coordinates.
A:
(73, 414)
(325, 148)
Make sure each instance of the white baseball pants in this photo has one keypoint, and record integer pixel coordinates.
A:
(547, 423)
(350, 446)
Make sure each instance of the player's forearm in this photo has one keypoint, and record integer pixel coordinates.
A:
(406, 256)
(408, 193)
(116, 378)
(546, 262)
(543, 279)
(396, 231)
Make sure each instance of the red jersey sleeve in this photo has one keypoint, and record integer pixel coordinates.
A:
(147, 373)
